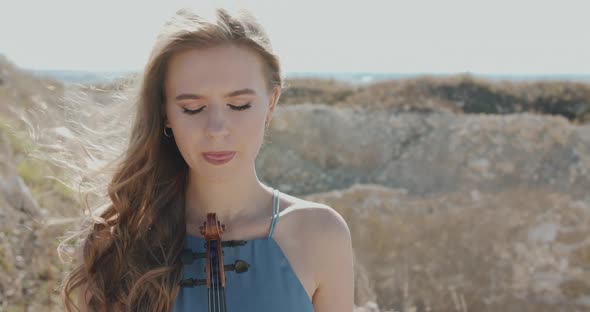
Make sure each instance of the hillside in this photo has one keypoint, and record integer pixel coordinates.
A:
(461, 194)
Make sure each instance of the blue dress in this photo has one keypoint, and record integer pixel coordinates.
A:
(269, 285)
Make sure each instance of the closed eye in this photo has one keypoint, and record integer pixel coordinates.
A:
(195, 111)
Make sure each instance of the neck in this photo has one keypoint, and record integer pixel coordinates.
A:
(238, 199)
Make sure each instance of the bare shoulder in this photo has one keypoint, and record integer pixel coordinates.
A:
(326, 251)
(316, 219)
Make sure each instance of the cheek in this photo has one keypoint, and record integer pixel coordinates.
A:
(249, 121)
(185, 132)
(185, 128)
(251, 124)
(183, 139)
(255, 129)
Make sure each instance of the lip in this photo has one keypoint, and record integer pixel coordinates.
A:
(219, 154)
(218, 158)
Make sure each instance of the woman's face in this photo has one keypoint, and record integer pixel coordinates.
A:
(226, 89)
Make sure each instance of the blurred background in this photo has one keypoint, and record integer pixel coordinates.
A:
(453, 136)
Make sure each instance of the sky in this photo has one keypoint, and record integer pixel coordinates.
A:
(489, 37)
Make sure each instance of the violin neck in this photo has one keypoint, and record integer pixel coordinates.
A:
(217, 290)
(217, 300)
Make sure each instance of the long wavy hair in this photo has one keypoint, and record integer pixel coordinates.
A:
(129, 247)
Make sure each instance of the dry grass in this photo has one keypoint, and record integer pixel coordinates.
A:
(457, 94)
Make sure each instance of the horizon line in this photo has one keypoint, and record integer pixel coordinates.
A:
(345, 72)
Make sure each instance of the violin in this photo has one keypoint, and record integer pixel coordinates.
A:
(215, 269)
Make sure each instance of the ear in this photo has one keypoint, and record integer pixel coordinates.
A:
(164, 113)
(274, 99)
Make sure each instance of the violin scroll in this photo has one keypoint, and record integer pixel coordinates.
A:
(212, 231)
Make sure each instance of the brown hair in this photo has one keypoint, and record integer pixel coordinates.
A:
(130, 249)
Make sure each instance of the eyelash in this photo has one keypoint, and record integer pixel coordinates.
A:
(196, 111)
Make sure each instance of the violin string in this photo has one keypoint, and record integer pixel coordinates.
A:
(218, 277)
(209, 294)
(214, 271)
(221, 292)
(221, 289)
(223, 300)
(216, 294)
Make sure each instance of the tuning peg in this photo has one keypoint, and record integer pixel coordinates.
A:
(188, 256)
(192, 282)
(233, 243)
(240, 266)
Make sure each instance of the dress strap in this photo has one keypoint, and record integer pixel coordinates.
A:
(275, 211)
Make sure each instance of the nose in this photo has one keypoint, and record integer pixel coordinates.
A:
(216, 124)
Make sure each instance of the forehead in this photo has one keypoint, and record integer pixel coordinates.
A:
(215, 69)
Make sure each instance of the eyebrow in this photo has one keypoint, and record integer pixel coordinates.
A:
(190, 96)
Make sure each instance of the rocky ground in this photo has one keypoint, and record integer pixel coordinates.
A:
(461, 194)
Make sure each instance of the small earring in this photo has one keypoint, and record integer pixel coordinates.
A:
(165, 133)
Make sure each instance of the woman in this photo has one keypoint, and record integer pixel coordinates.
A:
(207, 96)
